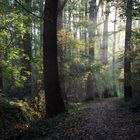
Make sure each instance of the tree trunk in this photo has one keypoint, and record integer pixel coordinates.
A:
(114, 57)
(127, 61)
(1, 81)
(54, 101)
(85, 30)
(61, 52)
(27, 48)
(60, 17)
(93, 18)
(104, 49)
(91, 89)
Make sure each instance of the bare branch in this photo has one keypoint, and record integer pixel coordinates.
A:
(28, 10)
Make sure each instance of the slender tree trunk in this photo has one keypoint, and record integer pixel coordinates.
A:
(54, 101)
(127, 61)
(104, 49)
(113, 53)
(104, 55)
(1, 81)
(93, 18)
(27, 48)
(61, 53)
(41, 25)
(85, 30)
(60, 17)
(91, 91)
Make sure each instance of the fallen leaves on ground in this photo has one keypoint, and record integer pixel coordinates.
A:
(98, 121)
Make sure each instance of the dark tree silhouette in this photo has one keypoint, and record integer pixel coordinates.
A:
(54, 101)
(127, 61)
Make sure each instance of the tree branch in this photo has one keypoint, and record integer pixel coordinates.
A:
(61, 6)
(100, 2)
(28, 10)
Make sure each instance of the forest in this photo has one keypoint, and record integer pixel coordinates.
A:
(69, 69)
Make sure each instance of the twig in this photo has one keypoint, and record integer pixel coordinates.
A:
(28, 10)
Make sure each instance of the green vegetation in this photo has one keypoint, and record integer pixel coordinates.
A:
(59, 58)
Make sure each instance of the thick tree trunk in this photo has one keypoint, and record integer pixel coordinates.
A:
(127, 61)
(54, 101)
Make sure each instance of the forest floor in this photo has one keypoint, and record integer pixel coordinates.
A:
(103, 120)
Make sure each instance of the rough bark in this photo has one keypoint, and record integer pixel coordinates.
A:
(127, 61)
(54, 101)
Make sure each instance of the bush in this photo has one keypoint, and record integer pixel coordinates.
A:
(15, 117)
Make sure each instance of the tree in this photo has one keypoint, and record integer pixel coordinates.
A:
(27, 49)
(113, 53)
(1, 80)
(61, 4)
(127, 60)
(91, 89)
(54, 101)
(1, 77)
(104, 56)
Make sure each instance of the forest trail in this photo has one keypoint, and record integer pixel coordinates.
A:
(99, 121)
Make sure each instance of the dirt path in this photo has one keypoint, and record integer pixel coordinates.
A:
(99, 121)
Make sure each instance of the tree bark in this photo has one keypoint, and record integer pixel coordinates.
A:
(127, 61)
(54, 101)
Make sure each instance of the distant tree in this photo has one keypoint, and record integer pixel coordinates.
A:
(113, 52)
(54, 101)
(27, 49)
(1, 80)
(104, 49)
(91, 89)
(61, 5)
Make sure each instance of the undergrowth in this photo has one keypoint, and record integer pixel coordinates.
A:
(15, 117)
